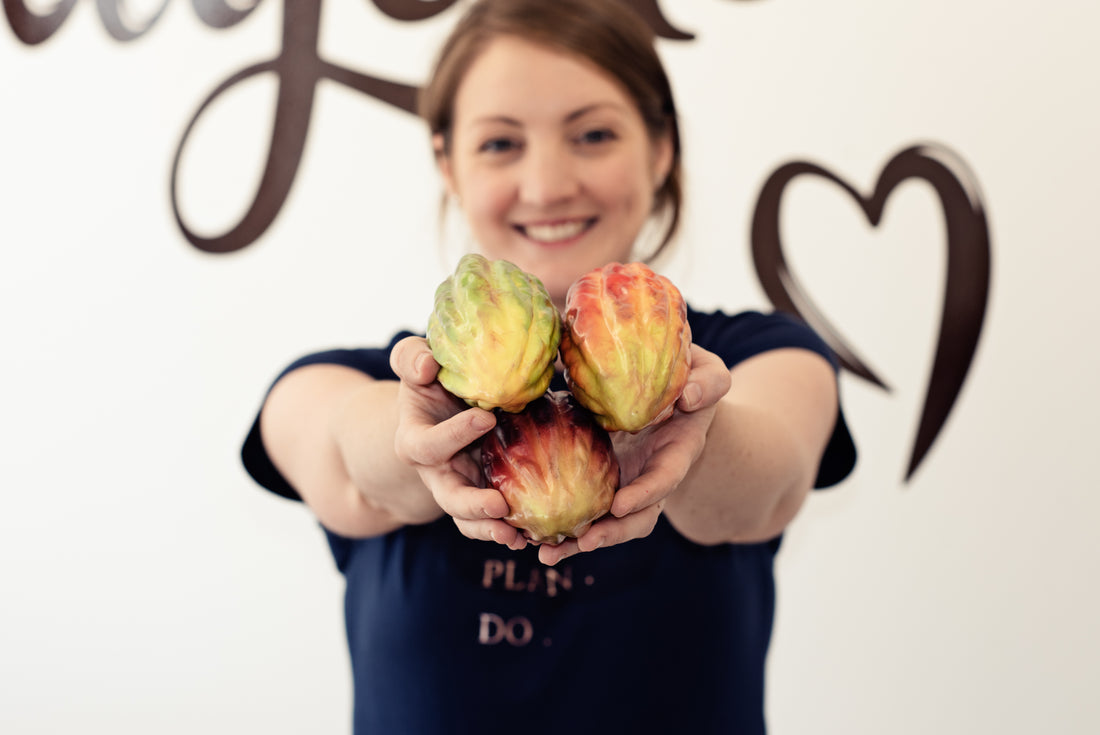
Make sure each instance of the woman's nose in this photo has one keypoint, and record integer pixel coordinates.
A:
(548, 176)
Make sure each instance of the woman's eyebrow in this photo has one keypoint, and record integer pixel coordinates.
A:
(581, 112)
(496, 119)
(502, 119)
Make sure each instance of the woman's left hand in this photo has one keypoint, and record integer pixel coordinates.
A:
(654, 461)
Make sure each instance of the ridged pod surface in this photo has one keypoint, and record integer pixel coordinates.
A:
(626, 345)
(555, 466)
(495, 333)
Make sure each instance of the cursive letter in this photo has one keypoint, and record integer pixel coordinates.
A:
(220, 14)
(31, 28)
(412, 9)
(298, 68)
(116, 26)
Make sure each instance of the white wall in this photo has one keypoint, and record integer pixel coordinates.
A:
(148, 586)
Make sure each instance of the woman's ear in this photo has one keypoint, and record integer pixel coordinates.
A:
(443, 161)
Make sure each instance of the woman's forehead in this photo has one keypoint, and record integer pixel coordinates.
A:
(513, 75)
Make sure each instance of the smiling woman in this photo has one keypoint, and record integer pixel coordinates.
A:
(554, 127)
(553, 162)
(624, 115)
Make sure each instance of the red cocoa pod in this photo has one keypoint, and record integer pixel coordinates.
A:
(555, 466)
(626, 345)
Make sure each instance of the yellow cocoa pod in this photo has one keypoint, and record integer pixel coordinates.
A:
(495, 333)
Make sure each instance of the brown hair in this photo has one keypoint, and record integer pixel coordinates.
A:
(606, 32)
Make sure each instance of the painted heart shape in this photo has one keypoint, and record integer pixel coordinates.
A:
(967, 279)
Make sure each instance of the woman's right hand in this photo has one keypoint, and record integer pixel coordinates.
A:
(434, 434)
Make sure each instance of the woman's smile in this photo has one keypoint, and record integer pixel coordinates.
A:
(561, 232)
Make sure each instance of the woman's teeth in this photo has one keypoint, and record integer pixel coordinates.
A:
(555, 232)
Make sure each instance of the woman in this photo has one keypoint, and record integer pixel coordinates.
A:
(555, 133)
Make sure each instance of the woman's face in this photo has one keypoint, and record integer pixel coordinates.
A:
(551, 162)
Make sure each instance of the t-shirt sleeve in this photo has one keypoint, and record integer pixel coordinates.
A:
(738, 337)
(375, 362)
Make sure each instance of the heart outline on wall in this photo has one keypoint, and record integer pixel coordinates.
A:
(967, 279)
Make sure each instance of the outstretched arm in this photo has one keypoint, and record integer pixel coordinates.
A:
(762, 451)
(331, 430)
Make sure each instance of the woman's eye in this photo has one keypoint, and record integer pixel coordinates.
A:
(498, 145)
(599, 135)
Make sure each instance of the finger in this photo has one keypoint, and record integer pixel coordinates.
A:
(652, 486)
(691, 398)
(411, 359)
(436, 444)
(465, 465)
(708, 381)
(610, 530)
(552, 554)
(492, 530)
(463, 502)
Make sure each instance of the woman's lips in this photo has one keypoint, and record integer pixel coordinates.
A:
(554, 232)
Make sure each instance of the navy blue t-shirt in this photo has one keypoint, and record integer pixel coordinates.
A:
(658, 635)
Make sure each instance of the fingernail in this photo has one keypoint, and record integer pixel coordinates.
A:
(598, 544)
(692, 395)
(482, 421)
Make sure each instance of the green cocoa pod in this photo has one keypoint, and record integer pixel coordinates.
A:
(495, 334)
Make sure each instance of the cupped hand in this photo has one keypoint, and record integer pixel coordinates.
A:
(434, 434)
(654, 461)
